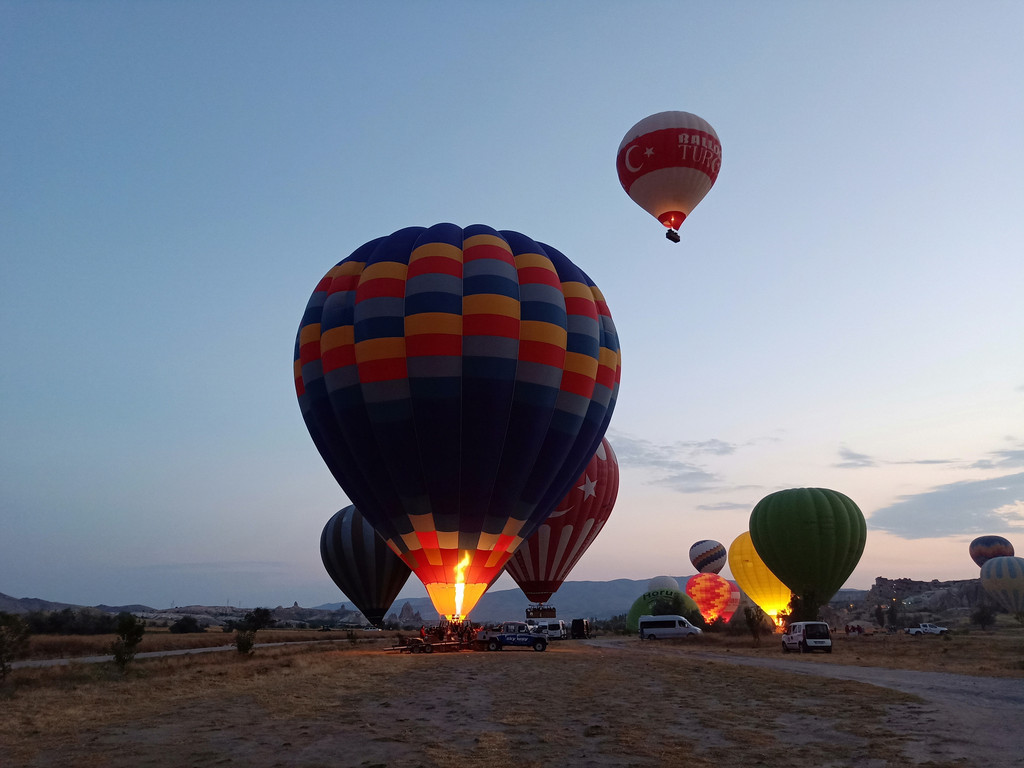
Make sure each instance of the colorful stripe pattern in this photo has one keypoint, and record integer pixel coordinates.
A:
(361, 564)
(1003, 578)
(544, 561)
(708, 556)
(454, 381)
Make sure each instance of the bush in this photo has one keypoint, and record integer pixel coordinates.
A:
(245, 639)
(129, 634)
(186, 625)
(14, 634)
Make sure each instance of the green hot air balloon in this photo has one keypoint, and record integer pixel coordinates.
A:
(811, 538)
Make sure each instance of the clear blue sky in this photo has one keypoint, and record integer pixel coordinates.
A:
(844, 309)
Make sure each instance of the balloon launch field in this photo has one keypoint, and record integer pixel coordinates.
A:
(609, 701)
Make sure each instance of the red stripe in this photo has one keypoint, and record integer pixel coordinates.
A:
(300, 386)
(383, 370)
(423, 344)
(606, 376)
(577, 383)
(532, 275)
(542, 352)
(490, 325)
(578, 306)
(339, 357)
(380, 286)
(439, 264)
(344, 283)
(663, 149)
(485, 251)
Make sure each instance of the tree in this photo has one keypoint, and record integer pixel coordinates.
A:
(129, 634)
(14, 633)
(186, 625)
(259, 618)
(984, 616)
(754, 617)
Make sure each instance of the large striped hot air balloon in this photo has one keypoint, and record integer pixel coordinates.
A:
(667, 163)
(361, 564)
(544, 560)
(1003, 578)
(456, 382)
(984, 548)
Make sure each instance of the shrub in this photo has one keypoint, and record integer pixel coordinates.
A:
(129, 634)
(14, 634)
(186, 625)
(245, 639)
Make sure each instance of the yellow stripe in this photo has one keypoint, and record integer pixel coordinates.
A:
(390, 269)
(539, 330)
(421, 523)
(337, 337)
(428, 250)
(609, 358)
(346, 268)
(577, 290)
(485, 240)
(487, 541)
(412, 543)
(535, 260)
(448, 539)
(494, 558)
(433, 556)
(309, 333)
(380, 349)
(584, 364)
(297, 368)
(490, 304)
(512, 528)
(433, 322)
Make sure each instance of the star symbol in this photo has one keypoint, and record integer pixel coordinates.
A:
(649, 152)
(587, 487)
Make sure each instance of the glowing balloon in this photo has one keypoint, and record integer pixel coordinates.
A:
(984, 548)
(755, 578)
(734, 602)
(708, 556)
(662, 582)
(811, 538)
(1003, 578)
(456, 382)
(667, 163)
(711, 593)
(543, 561)
(361, 564)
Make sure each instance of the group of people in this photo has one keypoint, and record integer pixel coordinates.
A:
(462, 632)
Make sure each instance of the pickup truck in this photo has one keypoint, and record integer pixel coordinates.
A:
(926, 629)
(514, 634)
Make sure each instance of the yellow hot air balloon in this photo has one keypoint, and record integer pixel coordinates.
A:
(755, 579)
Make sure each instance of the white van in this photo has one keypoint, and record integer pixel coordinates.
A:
(806, 636)
(655, 627)
(555, 629)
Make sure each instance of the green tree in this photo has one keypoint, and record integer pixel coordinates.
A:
(259, 618)
(14, 633)
(186, 625)
(129, 634)
(984, 616)
(754, 617)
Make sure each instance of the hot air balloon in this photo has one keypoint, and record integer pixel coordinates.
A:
(1003, 578)
(667, 163)
(984, 548)
(660, 602)
(456, 382)
(811, 538)
(662, 582)
(543, 561)
(361, 564)
(755, 579)
(734, 602)
(707, 556)
(711, 593)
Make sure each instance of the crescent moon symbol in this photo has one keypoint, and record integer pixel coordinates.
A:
(629, 165)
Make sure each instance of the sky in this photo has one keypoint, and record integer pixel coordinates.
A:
(844, 309)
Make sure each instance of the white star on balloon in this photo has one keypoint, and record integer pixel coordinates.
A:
(587, 487)
(649, 152)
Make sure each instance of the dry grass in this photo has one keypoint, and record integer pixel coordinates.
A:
(344, 704)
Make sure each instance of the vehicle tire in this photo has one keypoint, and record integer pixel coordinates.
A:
(785, 648)
(428, 648)
(493, 646)
(540, 645)
(829, 649)
(652, 637)
(803, 647)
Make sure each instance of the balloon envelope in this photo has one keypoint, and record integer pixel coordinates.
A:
(659, 602)
(708, 556)
(543, 561)
(984, 548)
(711, 593)
(361, 564)
(667, 163)
(662, 582)
(755, 578)
(811, 538)
(1003, 578)
(455, 382)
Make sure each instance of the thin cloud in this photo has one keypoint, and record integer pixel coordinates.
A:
(1005, 459)
(969, 507)
(724, 506)
(675, 464)
(853, 460)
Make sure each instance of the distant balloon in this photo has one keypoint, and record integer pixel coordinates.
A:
(711, 593)
(811, 538)
(456, 381)
(667, 163)
(1003, 578)
(734, 602)
(708, 556)
(662, 583)
(543, 561)
(984, 548)
(756, 579)
(361, 564)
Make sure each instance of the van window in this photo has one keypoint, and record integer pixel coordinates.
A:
(660, 624)
(816, 631)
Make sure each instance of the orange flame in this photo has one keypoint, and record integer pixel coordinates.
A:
(460, 585)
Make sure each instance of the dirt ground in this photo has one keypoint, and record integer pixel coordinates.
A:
(607, 702)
